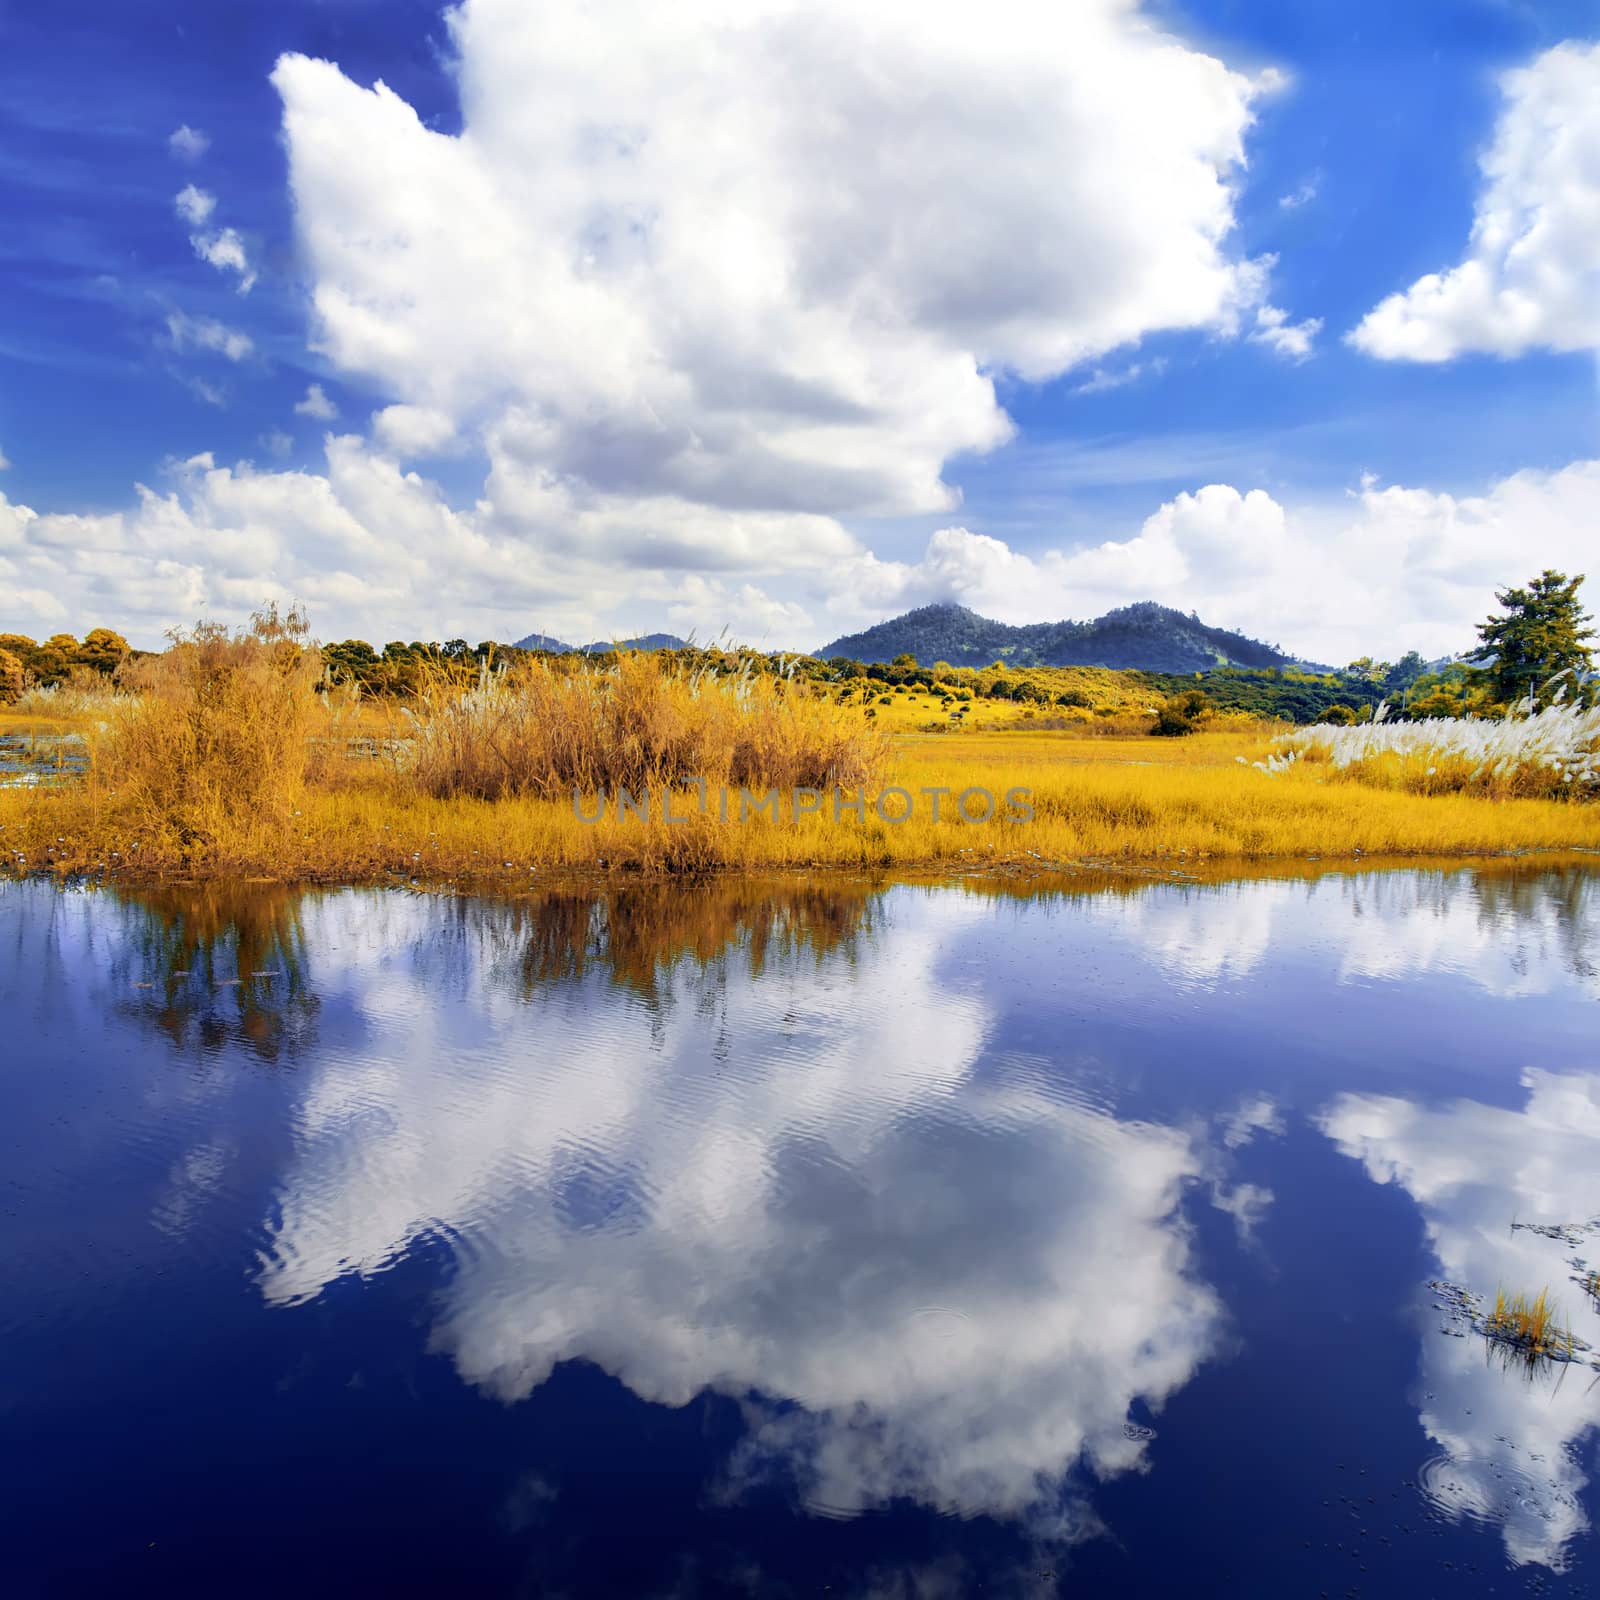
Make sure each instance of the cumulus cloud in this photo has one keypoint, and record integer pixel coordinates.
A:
(188, 144)
(413, 430)
(1386, 568)
(377, 550)
(1506, 1445)
(1531, 276)
(1285, 338)
(194, 205)
(1389, 568)
(222, 248)
(767, 263)
(316, 404)
(206, 333)
(225, 250)
(788, 1236)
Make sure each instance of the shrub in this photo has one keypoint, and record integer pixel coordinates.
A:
(1074, 697)
(546, 729)
(210, 748)
(1180, 714)
(10, 677)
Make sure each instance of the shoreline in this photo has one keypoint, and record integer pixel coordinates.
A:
(946, 872)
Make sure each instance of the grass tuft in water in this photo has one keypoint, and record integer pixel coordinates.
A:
(1529, 1326)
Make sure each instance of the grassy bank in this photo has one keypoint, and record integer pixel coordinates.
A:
(224, 759)
(1132, 801)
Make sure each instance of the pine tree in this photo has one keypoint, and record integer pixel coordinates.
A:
(1541, 634)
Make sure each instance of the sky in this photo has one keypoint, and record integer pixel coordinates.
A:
(775, 319)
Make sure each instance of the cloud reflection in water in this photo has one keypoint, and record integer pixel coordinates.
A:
(811, 1187)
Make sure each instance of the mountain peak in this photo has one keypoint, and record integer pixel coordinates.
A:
(1144, 635)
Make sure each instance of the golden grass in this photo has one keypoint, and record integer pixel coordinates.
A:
(546, 728)
(231, 764)
(83, 693)
(1531, 1325)
(14, 722)
(208, 755)
(1176, 802)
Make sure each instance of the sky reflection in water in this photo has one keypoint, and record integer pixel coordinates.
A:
(759, 1236)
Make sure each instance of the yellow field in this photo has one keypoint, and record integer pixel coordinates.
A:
(1133, 802)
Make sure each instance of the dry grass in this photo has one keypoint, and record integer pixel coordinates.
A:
(83, 693)
(1530, 1325)
(230, 762)
(206, 755)
(545, 729)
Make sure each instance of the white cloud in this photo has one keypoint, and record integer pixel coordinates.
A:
(413, 430)
(1302, 195)
(225, 250)
(316, 404)
(707, 610)
(213, 394)
(1103, 378)
(377, 551)
(1508, 1445)
(788, 1234)
(4, 463)
(188, 144)
(277, 443)
(206, 333)
(766, 262)
(1531, 275)
(194, 205)
(222, 248)
(1388, 569)
(1291, 339)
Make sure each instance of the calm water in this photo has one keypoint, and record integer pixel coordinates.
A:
(911, 1243)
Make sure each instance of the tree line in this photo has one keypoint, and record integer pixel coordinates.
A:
(1534, 650)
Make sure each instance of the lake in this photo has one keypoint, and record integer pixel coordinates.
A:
(744, 1238)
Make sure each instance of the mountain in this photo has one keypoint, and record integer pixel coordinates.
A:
(543, 641)
(643, 641)
(1146, 636)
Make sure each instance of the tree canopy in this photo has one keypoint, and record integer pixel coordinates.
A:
(1541, 633)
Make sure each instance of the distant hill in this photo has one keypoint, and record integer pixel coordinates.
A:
(543, 641)
(1145, 636)
(642, 641)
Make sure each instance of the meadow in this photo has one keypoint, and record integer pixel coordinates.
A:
(234, 755)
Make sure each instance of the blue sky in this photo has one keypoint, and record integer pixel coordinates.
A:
(121, 344)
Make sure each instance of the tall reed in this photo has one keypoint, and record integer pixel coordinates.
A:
(82, 693)
(546, 728)
(1550, 754)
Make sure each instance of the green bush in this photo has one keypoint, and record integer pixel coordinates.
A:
(1180, 714)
